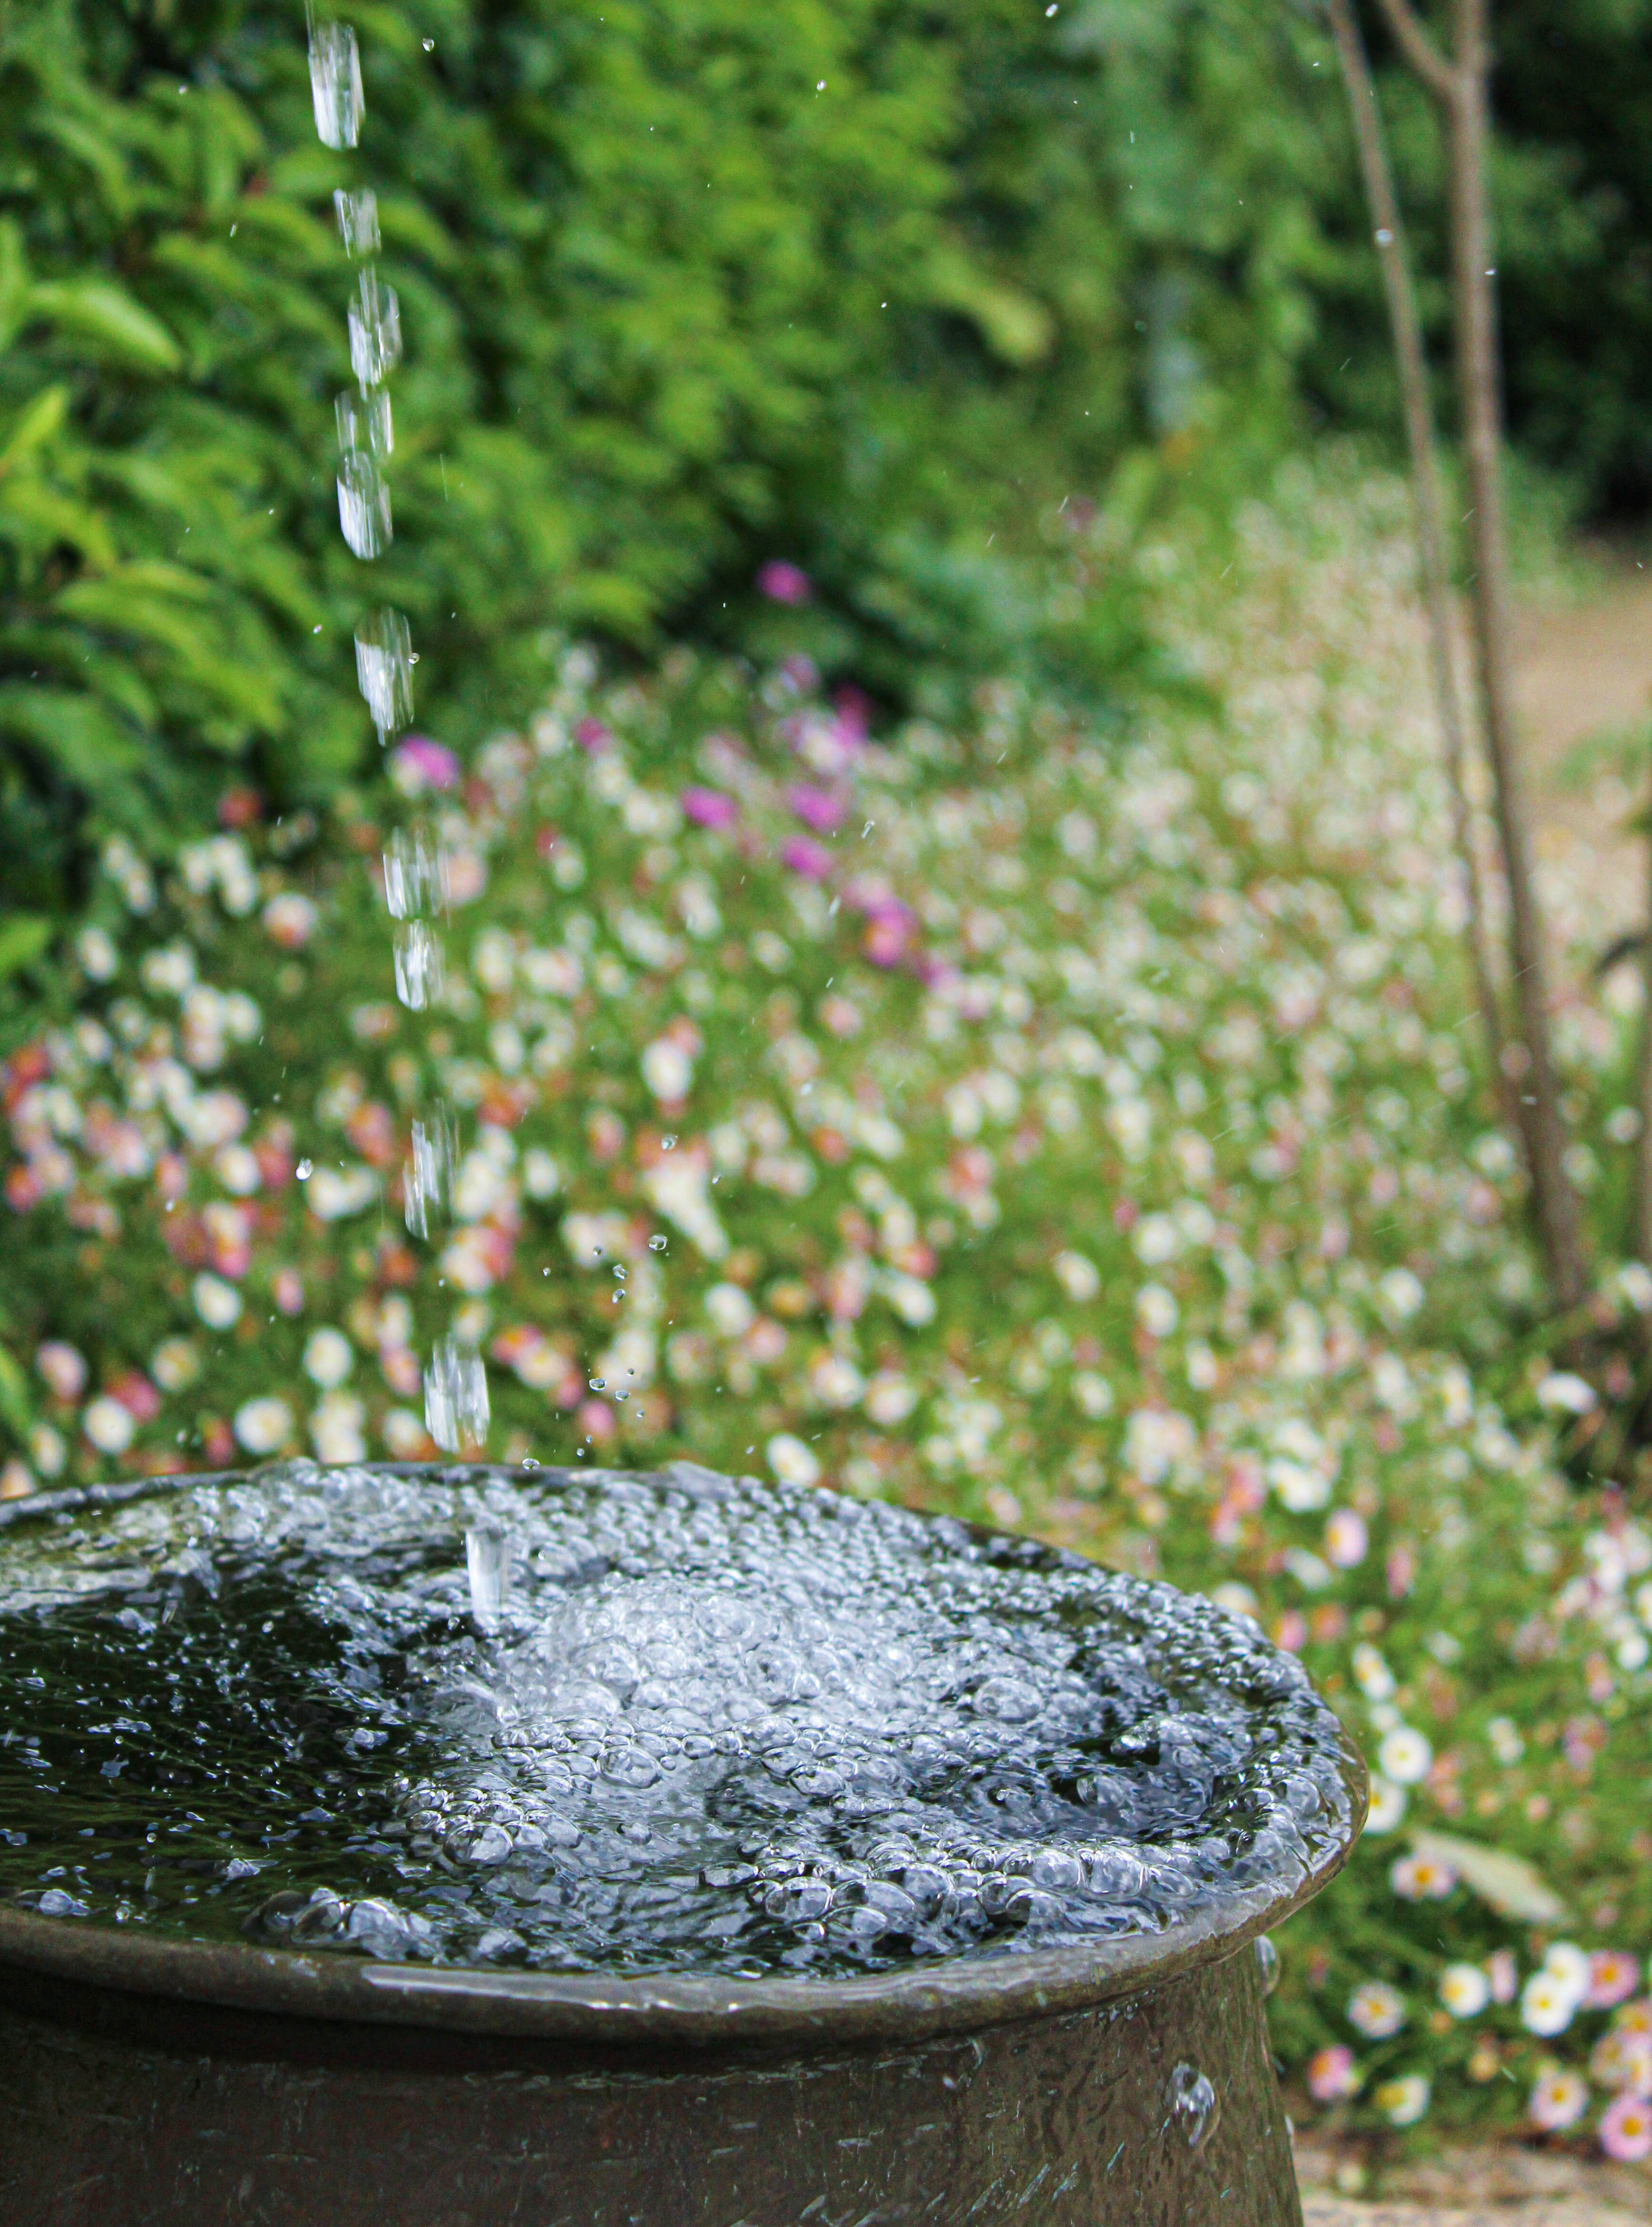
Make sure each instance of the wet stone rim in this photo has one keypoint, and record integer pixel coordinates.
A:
(956, 1995)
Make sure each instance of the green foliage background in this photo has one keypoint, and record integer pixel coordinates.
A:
(684, 285)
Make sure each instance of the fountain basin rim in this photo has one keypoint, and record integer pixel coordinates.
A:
(954, 1995)
(673, 2010)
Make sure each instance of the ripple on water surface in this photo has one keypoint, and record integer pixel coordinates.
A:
(606, 1722)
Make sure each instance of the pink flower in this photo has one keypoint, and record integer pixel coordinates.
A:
(418, 762)
(822, 809)
(784, 583)
(591, 735)
(596, 1419)
(63, 1368)
(137, 1396)
(1503, 1974)
(288, 1288)
(885, 943)
(1626, 2129)
(709, 807)
(1332, 2074)
(805, 856)
(1614, 1976)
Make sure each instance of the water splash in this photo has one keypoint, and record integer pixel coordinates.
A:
(487, 1564)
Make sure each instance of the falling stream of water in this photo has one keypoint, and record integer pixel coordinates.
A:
(456, 1381)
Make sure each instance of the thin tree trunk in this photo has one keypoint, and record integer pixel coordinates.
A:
(1459, 88)
(1480, 401)
(1643, 1099)
(1384, 207)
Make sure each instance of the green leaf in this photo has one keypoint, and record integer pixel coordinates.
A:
(16, 1409)
(14, 279)
(1507, 1884)
(35, 423)
(109, 320)
(23, 937)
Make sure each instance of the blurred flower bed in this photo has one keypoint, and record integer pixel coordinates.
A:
(1076, 1133)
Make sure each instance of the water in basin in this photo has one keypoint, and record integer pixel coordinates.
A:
(603, 1722)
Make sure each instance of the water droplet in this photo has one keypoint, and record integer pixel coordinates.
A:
(1195, 2109)
(656, 1244)
(383, 671)
(427, 1177)
(487, 1563)
(375, 331)
(668, 1144)
(335, 84)
(456, 1395)
(304, 1169)
(364, 423)
(1268, 1958)
(599, 1383)
(358, 220)
(418, 965)
(415, 875)
(364, 504)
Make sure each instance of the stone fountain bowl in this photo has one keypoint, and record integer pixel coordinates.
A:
(150, 2080)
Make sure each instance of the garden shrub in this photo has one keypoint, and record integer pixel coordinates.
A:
(1077, 1136)
(685, 289)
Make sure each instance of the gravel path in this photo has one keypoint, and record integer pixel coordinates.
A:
(1502, 2186)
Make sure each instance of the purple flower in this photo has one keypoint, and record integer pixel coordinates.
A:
(885, 940)
(854, 709)
(806, 857)
(709, 807)
(822, 809)
(591, 735)
(418, 762)
(784, 583)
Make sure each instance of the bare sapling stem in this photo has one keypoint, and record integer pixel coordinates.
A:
(1395, 263)
(1459, 88)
